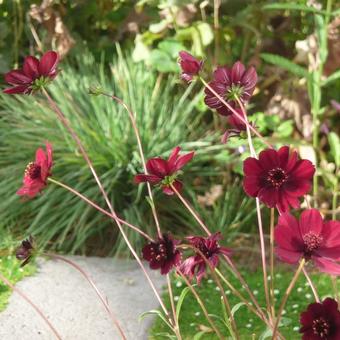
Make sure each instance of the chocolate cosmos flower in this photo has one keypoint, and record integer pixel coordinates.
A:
(164, 172)
(37, 172)
(190, 66)
(278, 178)
(162, 254)
(209, 247)
(33, 75)
(310, 238)
(231, 83)
(321, 321)
(24, 252)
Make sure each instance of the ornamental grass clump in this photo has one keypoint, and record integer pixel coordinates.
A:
(277, 179)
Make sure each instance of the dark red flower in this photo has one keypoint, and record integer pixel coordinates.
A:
(33, 75)
(162, 254)
(209, 247)
(164, 172)
(230, 83)
(37, 172)
(25, 251)
(278, 178)
(321, 321)
(236, 122)
(190, 66)
(310, 238)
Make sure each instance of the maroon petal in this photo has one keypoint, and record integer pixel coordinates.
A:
(31, 67)
(141, 178)
(287, 239)
(17, 77)
(326, 266)
(283, 154)
(269, 196)
(297, 187)
(249, 80)
(23, 89)
(48, 63)
(237, 72)
(304, 169)
(173, 157)
(251, 186)
(182, 160)
(269, 159)
(157, 166)
(311, 220)
(252, 167)
(222, 75)
(331, 233)
(288, 256)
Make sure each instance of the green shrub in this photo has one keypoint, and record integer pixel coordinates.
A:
(166, 116)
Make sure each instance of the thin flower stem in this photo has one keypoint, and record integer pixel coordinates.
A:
(219, 285)
(235, 271)
(285, 297)
(90, 281)
(235, 112)
(205, 228)
(259, 217)
(36, 308)
(141, 153)
(191, 210)
(200, 302)
(94, 205)
(272, 222)
(65, 122)
(315, 293)
(335, 288)
(174, 316)
(261, 316)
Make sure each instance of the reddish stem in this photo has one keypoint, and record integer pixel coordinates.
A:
(17, 290)
(65, 122)
(141, 153)
(90, 281)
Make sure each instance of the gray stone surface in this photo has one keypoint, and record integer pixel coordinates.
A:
(72, 306)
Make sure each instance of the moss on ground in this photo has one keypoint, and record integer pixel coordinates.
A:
(192, 320)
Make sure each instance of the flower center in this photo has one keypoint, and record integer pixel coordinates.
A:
(312, 242)
(168, 180)
(158, 252)
(204, 249)
(276, 177)
(33, 171)
(234, 91)
(321, 327)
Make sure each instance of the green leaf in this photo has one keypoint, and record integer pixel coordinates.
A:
(285, 129)
(180, 301)
(333, 77)
(199, 335)
(334, 143)
(321, 32)
(206, 33)
(237, 307)
(162, 62)
(293, 6)
(171, 47)
(157, 313)
(285, 64)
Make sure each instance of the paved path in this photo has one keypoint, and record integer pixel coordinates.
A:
(72, 306)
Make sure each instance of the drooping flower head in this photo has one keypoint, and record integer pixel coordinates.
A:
(162, 254)
(190, 66)
(37, 172)
(278, 178)
(210, 248)
(165, 172)
(310, 238)
(321, 321)
(230, 83)
(25, 251)
(34, 74)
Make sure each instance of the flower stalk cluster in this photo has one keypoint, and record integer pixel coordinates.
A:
(277, 178)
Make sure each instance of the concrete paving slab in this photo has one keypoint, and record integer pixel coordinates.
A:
(72, 306)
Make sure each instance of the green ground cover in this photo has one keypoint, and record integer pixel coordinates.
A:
(192, 321)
